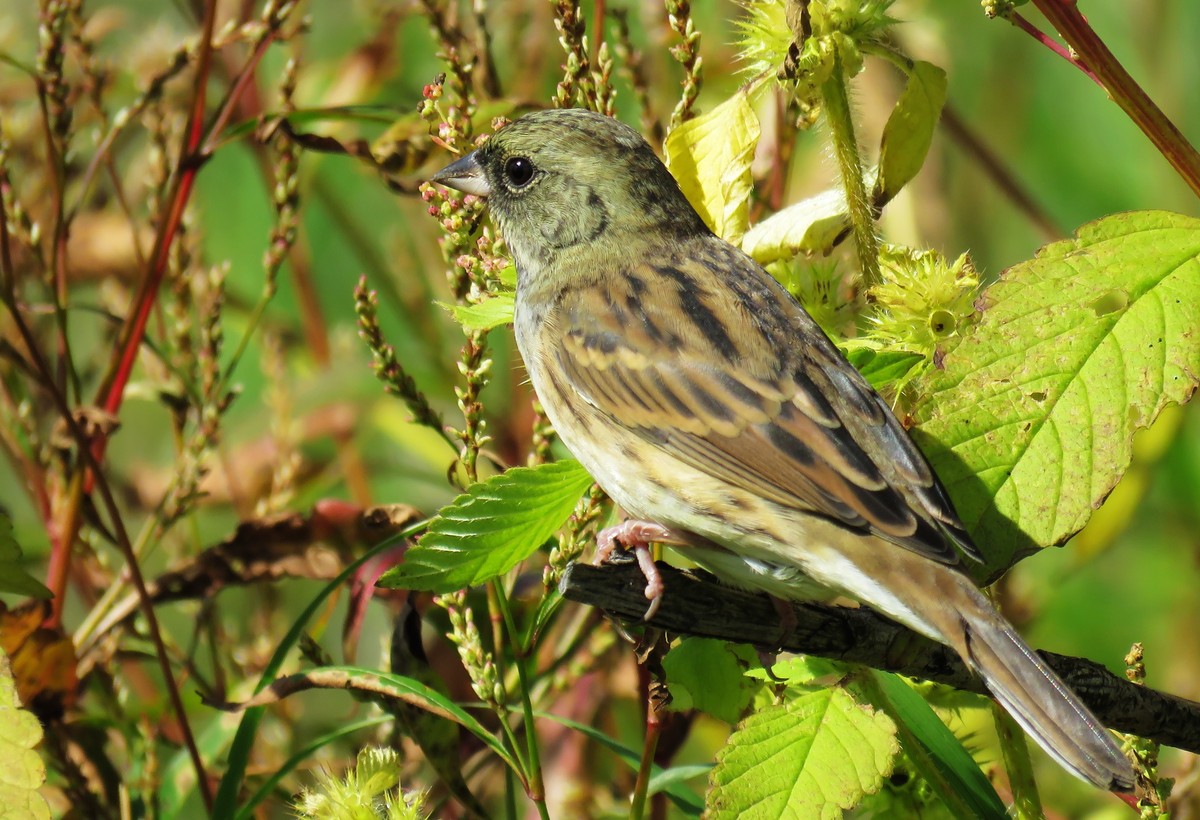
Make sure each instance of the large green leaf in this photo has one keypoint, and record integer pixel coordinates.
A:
(13, 577)
(1030, 421)
(814, 756)
(491, 528)
(710, 157)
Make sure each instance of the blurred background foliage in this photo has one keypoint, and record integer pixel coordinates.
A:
(310, 421)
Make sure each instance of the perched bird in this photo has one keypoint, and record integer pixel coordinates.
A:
(708, 404)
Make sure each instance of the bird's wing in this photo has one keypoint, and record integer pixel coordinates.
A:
(720, 368)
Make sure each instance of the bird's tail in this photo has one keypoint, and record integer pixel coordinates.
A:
(942, 603)
(1039, 701)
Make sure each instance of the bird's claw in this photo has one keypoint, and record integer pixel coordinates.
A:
(636, 537)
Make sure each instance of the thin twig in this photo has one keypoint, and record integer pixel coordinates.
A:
(1091, 52)
(695, 604)
(1039, 35)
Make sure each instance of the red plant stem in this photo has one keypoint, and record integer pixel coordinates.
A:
(198, 145)
(1070, 23)
(112, 391)
(1037, 34)
(112, 388)
(59, 397)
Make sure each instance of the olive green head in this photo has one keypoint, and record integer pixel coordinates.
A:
(562, 178)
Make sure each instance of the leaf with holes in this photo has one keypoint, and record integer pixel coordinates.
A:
(491, 528)
(1030, 421)
(814, 756)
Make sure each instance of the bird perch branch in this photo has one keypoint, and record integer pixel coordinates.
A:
(694, 604)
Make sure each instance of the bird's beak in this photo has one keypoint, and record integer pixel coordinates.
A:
(466, 175)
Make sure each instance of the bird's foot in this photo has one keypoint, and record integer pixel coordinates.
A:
(636, 537)
(787, 619)
(787, 625)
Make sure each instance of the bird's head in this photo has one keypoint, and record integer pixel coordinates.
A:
(559, 179)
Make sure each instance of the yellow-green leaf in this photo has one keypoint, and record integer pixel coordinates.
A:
(909, 130)
(1030, 421)
(21, 769)
(710, 157)
(810, 227)
(813, 756)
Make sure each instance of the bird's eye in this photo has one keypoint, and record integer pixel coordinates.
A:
(519, 171)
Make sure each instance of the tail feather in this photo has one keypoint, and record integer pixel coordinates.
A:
(1041, 703)
(940, 602)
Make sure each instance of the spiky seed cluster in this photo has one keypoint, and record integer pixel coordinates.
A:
(369, 791)
(923, 299)
(837, 28)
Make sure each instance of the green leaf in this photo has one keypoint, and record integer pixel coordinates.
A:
(813, 756)
(21, 769)
(811, 227)
(491, 528)
(883, 368)
(937, 753)
(1029, 424)
(492, 312)
(13, 577)
(799, 670)
(709, 675)
(909, 130)
(436, 700)
(710, 157)
(508, 275)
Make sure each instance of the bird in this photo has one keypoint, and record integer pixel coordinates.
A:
(708, 404)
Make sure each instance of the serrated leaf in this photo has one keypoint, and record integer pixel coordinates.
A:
(909, 130)
(813, 756)
(1030, 423)
(492, 312)
(710, 157)
(13, 577)
(491, 528)
(21, 769)
(709, 675)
